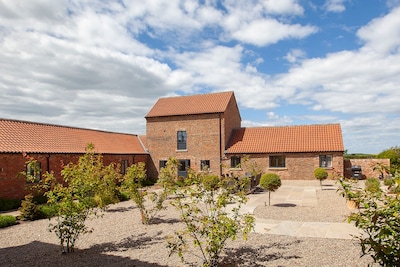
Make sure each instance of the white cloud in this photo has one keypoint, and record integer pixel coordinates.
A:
(336, 6)
(382, 35)
(295, 55)
(269, 31)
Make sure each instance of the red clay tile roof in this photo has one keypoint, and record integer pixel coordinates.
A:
(189, 105)
(21, 136)
(286, 139)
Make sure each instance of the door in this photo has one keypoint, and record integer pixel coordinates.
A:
(184, 167)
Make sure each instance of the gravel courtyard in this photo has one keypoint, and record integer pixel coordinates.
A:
(119, 239)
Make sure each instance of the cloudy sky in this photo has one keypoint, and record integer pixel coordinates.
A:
(103, 64)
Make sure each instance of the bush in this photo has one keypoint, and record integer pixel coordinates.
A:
(29, 209)
(9, 204)
(379, 222)
(373, 185)
(389, 181)
(48, 210)
(270, 182)
(320, 174)
(7, 220)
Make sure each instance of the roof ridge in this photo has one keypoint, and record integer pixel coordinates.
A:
(195, 95)
(63, 126)
(288, 126)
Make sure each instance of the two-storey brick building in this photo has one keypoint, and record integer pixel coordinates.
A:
(205, 130)
(194, 129)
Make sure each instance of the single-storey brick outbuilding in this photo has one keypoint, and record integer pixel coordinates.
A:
(52, 146)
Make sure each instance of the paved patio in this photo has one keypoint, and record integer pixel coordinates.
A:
(299, 193)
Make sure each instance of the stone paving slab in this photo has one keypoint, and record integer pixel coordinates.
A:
(301, 194)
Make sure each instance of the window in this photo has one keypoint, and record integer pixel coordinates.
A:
(277, 161)
(325, 161)
(34, 171)
(235, 162)
(163, 163)
(204, 165)
(181, 140)
(124, 166)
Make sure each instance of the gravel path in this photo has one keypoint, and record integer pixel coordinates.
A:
(119, 239)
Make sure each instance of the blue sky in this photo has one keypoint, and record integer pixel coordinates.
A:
(103, 64)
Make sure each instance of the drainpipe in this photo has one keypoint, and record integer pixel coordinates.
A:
(220, 145)
(48, 162)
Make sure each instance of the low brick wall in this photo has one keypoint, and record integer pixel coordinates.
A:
(367, 166)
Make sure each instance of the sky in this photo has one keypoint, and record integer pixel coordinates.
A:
(103, 64)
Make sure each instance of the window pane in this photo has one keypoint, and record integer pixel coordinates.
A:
(277, 161)
(235, 162)
(181, 140)
(162, 164)
(124, 166)
(325, 161)
(204, 165)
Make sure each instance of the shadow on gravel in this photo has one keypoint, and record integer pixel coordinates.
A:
(120, 209)
(133, 242)
(48, 255)
(285, 205)
(258, 256)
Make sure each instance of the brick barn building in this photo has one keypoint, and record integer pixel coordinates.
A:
(202, 131)
(52, 146)
(205, 130)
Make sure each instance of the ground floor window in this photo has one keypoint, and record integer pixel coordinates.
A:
(205, 165)
(235, 162)
(162, 164)
(34, 171)
(278, 161)
(124, 166)
(325, 161)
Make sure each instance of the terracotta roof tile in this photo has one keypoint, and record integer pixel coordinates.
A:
(189, 105)
(22, 136)
(286, 139)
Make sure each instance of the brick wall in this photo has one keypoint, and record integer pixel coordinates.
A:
(206, 137)
(366, 166)
(14, 186)
(299, 166)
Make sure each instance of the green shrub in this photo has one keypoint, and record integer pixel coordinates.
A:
(29, 209)
(389, 181)
(373, 185)
(270, 182)
(9, 204)
(48, 210)
(320, 174)
(7, 220)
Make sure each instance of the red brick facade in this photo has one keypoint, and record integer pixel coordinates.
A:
(207, 136)
(13, 185)
(367, 166)
(298, 166)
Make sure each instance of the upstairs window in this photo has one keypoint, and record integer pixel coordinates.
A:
(204, 165)
(235, 162)
(325, 161)
(181, 140)
(277, 161)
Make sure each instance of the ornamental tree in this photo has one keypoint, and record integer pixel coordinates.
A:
(88, 187)
(209, 222)
(270, 182)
